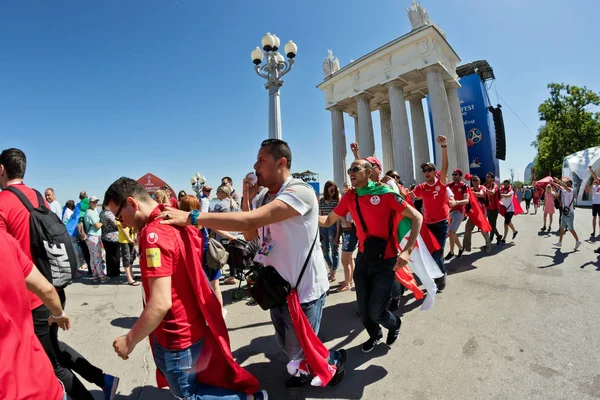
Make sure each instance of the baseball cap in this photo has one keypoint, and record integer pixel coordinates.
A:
(375, 162)
(206, 188)
(458, 171)
(94, 199)
(429, 164)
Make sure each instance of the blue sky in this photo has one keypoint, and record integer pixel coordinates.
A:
(92, 91)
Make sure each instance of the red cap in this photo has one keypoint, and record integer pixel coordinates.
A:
(206, 188)
(375, 162)
(458, 171)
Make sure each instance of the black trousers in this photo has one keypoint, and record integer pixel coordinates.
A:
(64, 359)
(113, 262)
(86, 254)
(493, 217)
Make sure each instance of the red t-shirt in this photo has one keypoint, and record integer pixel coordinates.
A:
(162, 253)
(173, 202)
(25, 370)
(435, 201)
(14, 219)
(376, 211)
(459, 190)
(492, 198)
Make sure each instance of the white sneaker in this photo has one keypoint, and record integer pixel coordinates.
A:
(557, 244)
(577, 244)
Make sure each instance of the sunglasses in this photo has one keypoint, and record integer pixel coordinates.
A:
(426, 170)
(394, 176)
(455, 175)
(355, 169)
(118, 214)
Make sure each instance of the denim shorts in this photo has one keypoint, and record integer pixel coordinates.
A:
(456, 218)
(566, 221)
(349, 241)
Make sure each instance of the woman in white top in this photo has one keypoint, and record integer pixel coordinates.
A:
(349, 243)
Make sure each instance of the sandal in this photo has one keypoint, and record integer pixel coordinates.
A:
(105, 279)
(343, 287)
(133, 283)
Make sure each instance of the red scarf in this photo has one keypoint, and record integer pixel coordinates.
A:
(216, 366)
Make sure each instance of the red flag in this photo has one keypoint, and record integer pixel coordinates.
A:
(315, 352)
(405, 276)
(516, 205)
(216, 366)
(477, 214)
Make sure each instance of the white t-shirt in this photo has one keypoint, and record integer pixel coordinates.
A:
(393, 185)
(567, 199)
(508, 201)
(204, 204)
(56, 208)
(596, 194)
(291, 240)
(67, 216)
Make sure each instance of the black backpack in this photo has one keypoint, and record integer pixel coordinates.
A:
(51, 248)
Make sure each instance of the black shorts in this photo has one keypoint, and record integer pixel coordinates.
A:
(508, 217)
(595, 210)
(527, 202)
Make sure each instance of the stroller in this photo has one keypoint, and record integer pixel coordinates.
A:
(241, 259)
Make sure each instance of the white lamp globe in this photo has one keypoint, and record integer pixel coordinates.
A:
(277, 42)
(279, 58)
(291, 49)
(257, 55)
(267, 42)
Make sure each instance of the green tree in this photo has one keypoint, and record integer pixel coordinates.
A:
(570, 124)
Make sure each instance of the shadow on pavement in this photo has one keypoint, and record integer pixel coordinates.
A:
(594, 263)
(465, 263)
(145, 392)
(558, 257)
(124, 322)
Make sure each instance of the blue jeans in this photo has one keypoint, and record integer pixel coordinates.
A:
(179, 367)
(374, 283)
(440, 231)
(286, 335)
(328, 243)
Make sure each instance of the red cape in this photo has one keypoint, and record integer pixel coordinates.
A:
(477, 214)
(216, 366)
(516, 205)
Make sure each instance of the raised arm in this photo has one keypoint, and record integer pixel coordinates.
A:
(354, 149)
(593, 173)
(444, 172)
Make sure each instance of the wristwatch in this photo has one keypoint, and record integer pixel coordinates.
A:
(194, 216)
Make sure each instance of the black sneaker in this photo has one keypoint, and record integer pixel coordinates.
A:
(370, 344)
(340, 369)
(597, 251)
(460, 252)
(503, 241)
(515, 233)
(449, 256)
(393, 333)
(262, 395)
(440, 283)
(544, 229)
(297, 381)
(394, 304)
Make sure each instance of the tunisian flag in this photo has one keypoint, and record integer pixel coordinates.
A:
(476, 214)
(216, 366)
(516, 205)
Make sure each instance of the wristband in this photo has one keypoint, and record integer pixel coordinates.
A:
(444, 146)
(194, 216)
(60, 316)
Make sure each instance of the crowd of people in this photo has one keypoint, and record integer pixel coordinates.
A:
(380, 224)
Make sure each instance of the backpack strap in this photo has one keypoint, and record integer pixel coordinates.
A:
(362, 221)
(21, 197)
(307, 258)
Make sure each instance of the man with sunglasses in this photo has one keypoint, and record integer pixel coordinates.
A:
(436, 205)
(457, 213)
(391, 178)
(375, 208)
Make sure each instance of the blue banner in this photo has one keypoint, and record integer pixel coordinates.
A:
(479, 126)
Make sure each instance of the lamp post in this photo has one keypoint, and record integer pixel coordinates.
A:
(198, 182)
(273, 69)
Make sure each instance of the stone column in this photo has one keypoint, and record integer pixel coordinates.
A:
(402, 149)
(356, 136)
(460, 139)
(339, 145)
(365, 126)
(385, 115)
(420, 136)
(440, 111)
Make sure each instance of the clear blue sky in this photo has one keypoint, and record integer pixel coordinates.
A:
(92, 91)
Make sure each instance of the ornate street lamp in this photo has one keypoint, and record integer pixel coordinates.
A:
(198, 181)
(273, 69)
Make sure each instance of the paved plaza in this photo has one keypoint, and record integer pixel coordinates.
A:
(520, 323)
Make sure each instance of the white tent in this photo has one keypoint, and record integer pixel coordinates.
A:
(575, 167)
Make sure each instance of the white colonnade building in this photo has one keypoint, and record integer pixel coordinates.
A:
(408, 68)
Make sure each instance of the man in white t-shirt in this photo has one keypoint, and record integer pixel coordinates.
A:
(567, 201)
(53, 203)
(595, 200)
(284, 215)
